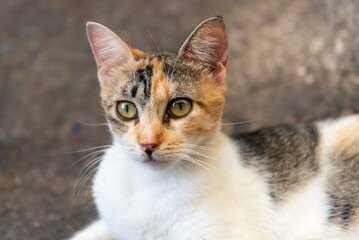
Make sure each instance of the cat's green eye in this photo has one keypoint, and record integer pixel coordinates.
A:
(126, 110)
(180, 107)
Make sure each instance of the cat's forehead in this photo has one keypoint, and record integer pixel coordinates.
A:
(173, 67)
(158, 76)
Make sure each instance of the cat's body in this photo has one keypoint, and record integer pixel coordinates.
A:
(170, 175)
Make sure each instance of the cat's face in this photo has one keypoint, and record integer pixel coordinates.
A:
(162, 106)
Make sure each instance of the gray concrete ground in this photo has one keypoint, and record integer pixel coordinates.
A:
(289, 61)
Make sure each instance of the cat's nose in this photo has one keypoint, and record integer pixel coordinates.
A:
(149, 147)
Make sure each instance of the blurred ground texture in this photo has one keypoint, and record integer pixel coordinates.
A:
(289, 61)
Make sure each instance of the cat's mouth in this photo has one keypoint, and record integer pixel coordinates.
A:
(150, 160)
(155, 161)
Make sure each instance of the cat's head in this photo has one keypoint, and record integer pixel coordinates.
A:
(162, 106)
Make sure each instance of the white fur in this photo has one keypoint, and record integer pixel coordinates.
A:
(139, 202)
(223, 201)
(96, 231)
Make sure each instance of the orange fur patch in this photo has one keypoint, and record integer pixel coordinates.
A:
(158, 76)
(138, 53)
(214, 96)
(149, 133)
(347, 138)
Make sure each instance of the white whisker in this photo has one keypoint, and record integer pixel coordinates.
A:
(89, 149)
(243, 122)
(93, 124)
(202, 155)
(89, 165)
(84, 175)
(193, 160)
(82, 182)
(88, 155)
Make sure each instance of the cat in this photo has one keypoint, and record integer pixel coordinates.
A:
(172, 174)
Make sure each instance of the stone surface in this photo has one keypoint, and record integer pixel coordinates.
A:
(289, 61)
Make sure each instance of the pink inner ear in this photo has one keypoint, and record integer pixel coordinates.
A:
(220, 72)
(208, 46)
(220, 46)
(109, 50)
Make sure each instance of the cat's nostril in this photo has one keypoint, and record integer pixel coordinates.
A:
(148, 152)
(149, 147)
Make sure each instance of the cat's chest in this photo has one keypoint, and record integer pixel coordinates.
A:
(145, 211)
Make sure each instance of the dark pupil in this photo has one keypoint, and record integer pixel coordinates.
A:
(126, 107)
(180, 105)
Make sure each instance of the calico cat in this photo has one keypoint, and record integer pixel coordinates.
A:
(171, 174)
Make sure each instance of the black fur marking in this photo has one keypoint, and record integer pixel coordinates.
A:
(134, 91)
(343, 188)
(144, 76)
(285, 155)
(347, 212)
(341, 209)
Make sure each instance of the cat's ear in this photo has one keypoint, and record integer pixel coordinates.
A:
(207, 45)
(109, 50)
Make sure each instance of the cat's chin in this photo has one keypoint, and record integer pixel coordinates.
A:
(156, 162)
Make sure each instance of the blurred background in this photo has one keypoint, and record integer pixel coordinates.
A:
(289, 61)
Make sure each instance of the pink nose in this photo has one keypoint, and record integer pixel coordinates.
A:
(149, 146)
